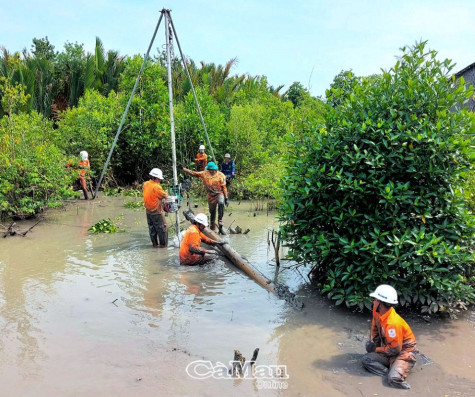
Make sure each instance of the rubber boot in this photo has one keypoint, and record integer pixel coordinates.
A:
(163, 238)
(213, 227)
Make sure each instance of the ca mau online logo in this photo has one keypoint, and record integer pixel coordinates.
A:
(203, 369)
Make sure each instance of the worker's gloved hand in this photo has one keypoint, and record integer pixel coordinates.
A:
(220, 242)
(370, 347)
(226, 202)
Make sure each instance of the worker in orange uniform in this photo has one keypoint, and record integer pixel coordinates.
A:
(153, 195)
(215, 184)
(84, 172)
(191, 252)
(201, 160)
(392, 348)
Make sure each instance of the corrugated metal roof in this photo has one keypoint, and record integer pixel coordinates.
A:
(458, 74)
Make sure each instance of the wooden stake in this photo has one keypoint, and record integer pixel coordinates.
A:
(238, 363)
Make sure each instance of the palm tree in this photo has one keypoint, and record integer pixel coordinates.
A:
(107, 69)
(15, 72)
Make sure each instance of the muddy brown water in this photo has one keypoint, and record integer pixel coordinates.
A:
(107, 315)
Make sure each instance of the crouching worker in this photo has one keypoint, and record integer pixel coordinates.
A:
(391, 351)
(191, 252)
(153, 195)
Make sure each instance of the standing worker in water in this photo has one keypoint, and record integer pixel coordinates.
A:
(393, 345)
(201, 159)
(153, 195)
(227, 168)
(84, 172)
(84, 176)
(215, 184)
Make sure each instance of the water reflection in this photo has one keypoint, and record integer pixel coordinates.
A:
(113, 309)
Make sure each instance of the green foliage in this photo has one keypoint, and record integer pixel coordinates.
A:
(132, 192)
(370, 196)
(257, 131)
(32, 168)
(103, 226)
(296, 93)
(91, 126)
(342, 85)
(146, 134)
(264, 182)
(189, 129)
(134, 204)
(42, 48)
(112, 191)
(59, 79)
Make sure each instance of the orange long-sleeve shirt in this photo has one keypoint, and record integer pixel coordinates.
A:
(201, 161)
(214, 184)
(192, 239)
(84, 168)
(393, 335)
(153, 194)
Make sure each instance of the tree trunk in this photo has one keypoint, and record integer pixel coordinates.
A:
(280, 290)
(236, 259)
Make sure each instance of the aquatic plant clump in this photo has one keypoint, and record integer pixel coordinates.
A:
(103, 226)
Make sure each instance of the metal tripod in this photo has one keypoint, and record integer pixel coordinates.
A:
(170, 33)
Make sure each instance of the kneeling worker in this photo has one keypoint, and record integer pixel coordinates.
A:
(393, 345)
(153, 195)
(191, 252)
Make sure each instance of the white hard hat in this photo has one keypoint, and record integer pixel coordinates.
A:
(227, 155)
(83, 155)
(385, 293)
(202, 147)
(202, 218)
(156, 173)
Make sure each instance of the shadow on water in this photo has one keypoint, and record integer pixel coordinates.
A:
(130, 319)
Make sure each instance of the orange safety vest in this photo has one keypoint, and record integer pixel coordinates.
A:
(153, 194)
(201, 161)
(214, 184)
(397, 338)
(192, 239)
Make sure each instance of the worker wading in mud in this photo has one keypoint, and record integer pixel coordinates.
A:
(215, 184)
(201, 160)
(84, 177)
(153, 195)
(191, 252)
(392, 348)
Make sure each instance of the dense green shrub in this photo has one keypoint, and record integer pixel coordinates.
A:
(370, 197)
(91, 126)
(32, 168)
